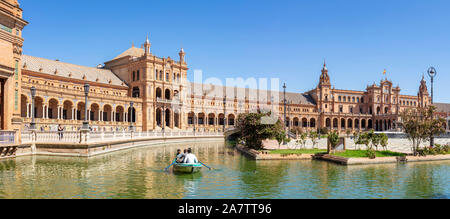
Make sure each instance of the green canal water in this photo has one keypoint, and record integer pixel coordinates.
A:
(137, 173)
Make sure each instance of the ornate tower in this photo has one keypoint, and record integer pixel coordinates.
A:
(324, 91)
(147, 46)
(11, 41)
(423, 95)
(182, 54)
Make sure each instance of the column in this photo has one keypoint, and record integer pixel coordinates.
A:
(73, 113)
(100, 116)
(113, 118)
(59, 113)
(28, 110)
(43, 111)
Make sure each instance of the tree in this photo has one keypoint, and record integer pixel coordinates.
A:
(355, 138)
(420, 125)
(375, 139)
(314, 136)
(333, 140)
(384, 141)
(254, 131)
(434, 125)
(364, 139)
(302, 140)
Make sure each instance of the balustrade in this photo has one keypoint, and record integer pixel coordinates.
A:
(96, 137)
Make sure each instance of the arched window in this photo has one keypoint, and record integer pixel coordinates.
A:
(167, 76)
(134, 75)
(136, 92)
(137, 75)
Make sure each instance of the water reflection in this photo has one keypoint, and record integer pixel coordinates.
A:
(138, 173)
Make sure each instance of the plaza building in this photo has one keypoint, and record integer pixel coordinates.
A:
(151, 92)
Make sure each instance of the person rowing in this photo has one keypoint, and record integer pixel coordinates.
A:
(190, 158)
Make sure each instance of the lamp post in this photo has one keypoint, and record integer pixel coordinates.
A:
(432, 73)
(86, 121)
(131, 116)
(284, 102)
(33, 122)
(224, 113)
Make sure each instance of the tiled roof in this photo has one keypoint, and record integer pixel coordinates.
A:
(442, 107)
(63, 69)
(251, 94)
(133, 52)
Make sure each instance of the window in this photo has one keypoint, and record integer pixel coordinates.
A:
(167, 77)
(137, 75)
(340, 98)
(136, 92)
(134, 75)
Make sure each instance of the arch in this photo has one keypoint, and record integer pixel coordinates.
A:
(221, 119)
(68, 110)
(158, 93)
(335, 123)
(119, 113)
(167, 117)
(305, 123)
(176, 119)
(132, 114)
(167, 94)
(296, 122)
(328, 123)
(24, 110)
(363, 124)
(343, 124)
(201, 118)
(107, 112)
(38, 107)
(94, 112)
(386, 110)
(136, 93)
(211, 119)
(378, 110)
(231, 120)
(312, 123)
(53, 108)
(159, 117)
(350, 124)
(191, 118)
(369, 124)
(80, 110)
(356, 123)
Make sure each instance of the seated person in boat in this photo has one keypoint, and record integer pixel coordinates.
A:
(181, 156)
(190, 157)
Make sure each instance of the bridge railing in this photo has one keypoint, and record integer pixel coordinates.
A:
(96, 137)
(7, 137)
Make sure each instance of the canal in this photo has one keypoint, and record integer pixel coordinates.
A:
(137, 173)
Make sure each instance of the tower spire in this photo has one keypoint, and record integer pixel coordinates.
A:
(147, 45)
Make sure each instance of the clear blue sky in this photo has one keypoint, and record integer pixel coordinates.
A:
(238, 38)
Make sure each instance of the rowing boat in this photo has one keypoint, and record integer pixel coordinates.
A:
(187, 168)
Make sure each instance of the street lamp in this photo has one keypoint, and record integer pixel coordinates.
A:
(432, 73)
(131, 116)
(86, 121)
(224, 113)
(33, 95)
(284, 102)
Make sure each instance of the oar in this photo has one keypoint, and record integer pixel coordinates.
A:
(205, 165)
(170, 165)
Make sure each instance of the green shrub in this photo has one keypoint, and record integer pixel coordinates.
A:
(371, 154)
